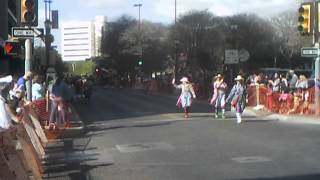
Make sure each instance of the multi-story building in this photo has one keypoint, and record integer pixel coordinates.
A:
(82, 40)
(77, 44)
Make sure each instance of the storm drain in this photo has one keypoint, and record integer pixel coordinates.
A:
(251, 159)
(138, 147)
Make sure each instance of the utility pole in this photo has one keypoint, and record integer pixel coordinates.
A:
(317, 60)
(27, 68)
(140, 47)
(175, 41)
(48, 38)
(140, 61)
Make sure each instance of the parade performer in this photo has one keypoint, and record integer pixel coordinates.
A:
(187, 92)
(218, 97)
(237, 97)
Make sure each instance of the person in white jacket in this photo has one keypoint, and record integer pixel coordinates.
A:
(185, 98)
(5, 114)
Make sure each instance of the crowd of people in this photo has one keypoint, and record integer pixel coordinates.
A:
(292, 91)
(59, 89)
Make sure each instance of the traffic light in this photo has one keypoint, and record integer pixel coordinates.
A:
(305, 18)
(140, 62)
(29, 12)
(12, 47)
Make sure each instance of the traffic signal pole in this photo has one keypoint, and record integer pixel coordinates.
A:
(27, 68)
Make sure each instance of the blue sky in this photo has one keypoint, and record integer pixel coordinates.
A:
(158, 10)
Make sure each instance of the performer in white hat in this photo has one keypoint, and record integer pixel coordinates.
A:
(187, 92)
(237, 97)
(5, 115)
(218, 98)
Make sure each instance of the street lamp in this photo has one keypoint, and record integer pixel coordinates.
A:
(139, 6)
(175, 41)
(139, 40)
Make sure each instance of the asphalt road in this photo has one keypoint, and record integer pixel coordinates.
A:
(135, 136)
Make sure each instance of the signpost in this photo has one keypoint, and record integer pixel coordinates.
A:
(231, 56)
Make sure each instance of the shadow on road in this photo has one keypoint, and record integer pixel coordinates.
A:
(297, 177)
(68, 158)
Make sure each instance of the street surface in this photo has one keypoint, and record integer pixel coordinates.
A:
(131, 135)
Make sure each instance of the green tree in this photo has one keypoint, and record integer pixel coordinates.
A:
(147, 42)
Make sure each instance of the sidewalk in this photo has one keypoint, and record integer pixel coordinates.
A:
(293, 118)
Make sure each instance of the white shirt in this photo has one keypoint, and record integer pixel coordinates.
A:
(5, 120)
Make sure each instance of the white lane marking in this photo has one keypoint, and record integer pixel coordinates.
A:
(251, 159)
(139, 147)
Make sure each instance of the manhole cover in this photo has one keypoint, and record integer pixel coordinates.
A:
(251, 159)
(127, 148)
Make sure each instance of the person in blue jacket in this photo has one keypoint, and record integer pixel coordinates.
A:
(237, 97)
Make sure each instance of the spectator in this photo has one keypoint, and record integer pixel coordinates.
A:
(283, 83)
(37, 88)
(21, 83)
(5, 114)
(59, 95)
(275, 83)
(302, 83)
(292, 79)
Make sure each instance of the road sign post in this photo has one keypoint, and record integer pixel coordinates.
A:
(28, 48)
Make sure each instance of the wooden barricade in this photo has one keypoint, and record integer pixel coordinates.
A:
(22, 148)
(11, 162)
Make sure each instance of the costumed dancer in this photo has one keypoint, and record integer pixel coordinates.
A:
(237, 97)
(218, 98)
(187, 92)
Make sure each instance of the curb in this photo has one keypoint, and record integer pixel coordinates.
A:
(77, 126)
(284, 118)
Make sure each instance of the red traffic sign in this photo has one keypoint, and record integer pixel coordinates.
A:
(12, 47)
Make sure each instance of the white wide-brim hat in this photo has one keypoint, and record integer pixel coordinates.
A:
(238, 78)
(184, 79)
(6, 79)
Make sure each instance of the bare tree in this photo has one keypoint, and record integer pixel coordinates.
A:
(291, 41)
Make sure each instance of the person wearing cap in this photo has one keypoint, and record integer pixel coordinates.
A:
(237, 97)
(5, 114)
(218, 97)
(187, 92)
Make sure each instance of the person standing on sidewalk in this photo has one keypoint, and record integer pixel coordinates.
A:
(5, 114)
(237, 97)
(218, 98)
(187, 92)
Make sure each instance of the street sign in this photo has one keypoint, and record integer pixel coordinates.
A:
(21, 32)
(309, 52)
(244, 55)
(231, 56)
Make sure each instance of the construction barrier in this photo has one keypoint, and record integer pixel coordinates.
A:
(22, 147)
(298, 102)
(41, 111)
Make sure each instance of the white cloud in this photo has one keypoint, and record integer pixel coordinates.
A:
(102, 4)
(263, 8)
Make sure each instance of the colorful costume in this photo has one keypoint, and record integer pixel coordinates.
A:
(237, 98)
(185, 98)
(218, 98)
